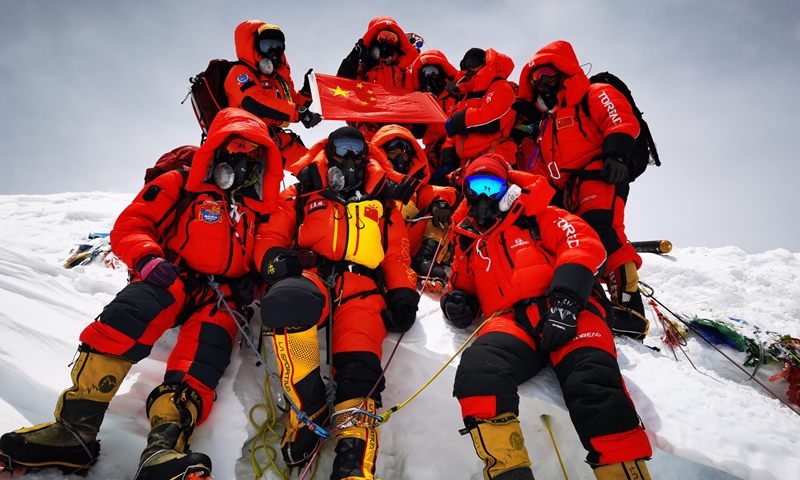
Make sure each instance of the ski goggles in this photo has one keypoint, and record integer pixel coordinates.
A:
(240, 145)
(268, 44)
(387, 37)
(489, 185)
(545, 71)
(343, 146)
(469, 63)
(401, 145)
(429, 71)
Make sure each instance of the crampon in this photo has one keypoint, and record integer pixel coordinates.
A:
(432, 284)
(192, 472)
(9, 468)
(195, 472)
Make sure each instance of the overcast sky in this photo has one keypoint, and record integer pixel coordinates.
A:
(91, 90)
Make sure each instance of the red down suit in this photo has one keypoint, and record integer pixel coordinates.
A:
(360, 253)
(193, 224)
(512, 266)
(571, 142)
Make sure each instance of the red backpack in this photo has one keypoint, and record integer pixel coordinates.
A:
(177, 159)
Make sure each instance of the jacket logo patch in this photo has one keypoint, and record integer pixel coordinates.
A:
(518, 242)
(371, 213)
(565, 122)
(210, 212)
(244, 78)
(265, 84)
(316, 205)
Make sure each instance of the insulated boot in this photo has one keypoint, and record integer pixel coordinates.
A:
(499, 443)
(629, 316)
(173, 411)
(356, 441)
(70, 442)
(421, 264)
(632, 470)
(298, 369)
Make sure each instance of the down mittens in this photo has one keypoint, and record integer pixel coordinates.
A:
(459, 307)
(401, 313)
(279, 263)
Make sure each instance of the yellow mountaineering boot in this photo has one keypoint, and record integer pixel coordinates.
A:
(173, 411)
(632, 470)
(297, 356)
(499, 443)
(70, 442)
(356, 441)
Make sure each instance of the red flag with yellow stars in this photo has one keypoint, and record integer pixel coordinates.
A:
(357, 100)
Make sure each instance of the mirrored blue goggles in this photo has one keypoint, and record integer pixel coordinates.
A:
(343, 146)
(268, 44)
(489, 185)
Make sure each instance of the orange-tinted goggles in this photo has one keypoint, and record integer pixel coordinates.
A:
(240, 145)
(543, 72)
(387, 37)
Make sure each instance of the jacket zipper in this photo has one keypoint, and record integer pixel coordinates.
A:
(505, 250)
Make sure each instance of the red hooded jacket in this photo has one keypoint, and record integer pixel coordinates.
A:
(483, 118)
(270, 97)
(426, 194)
(571, 138)
(369, 232)
(511, 262)
(190, 221)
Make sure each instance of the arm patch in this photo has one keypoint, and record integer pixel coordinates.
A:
(151, 193)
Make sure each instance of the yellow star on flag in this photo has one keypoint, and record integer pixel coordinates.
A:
(337, 92)
(359, 85)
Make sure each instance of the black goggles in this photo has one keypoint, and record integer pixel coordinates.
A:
(471, 62)
(343, 146)
(268, 44)
(400, 144)
(429, 71)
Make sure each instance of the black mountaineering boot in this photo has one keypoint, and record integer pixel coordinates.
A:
(173, 411)
(70, 442)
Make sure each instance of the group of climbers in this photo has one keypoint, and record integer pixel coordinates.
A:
(515, 203)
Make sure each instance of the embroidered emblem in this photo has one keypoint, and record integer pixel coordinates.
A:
(243, 78)
(210, 212)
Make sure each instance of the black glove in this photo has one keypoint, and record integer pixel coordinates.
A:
(402, 311)
(527, 109)
(247, 289)
(402, 191)
(559, 325)
(360, 52)
(308, 117)
(452, 88)
(440, 213)
(614, 169)
(459, 307)
(157, 271)
(279, 263)
(306, 90)
(450, 161)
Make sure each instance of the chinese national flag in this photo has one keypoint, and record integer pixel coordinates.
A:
(356, 100)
